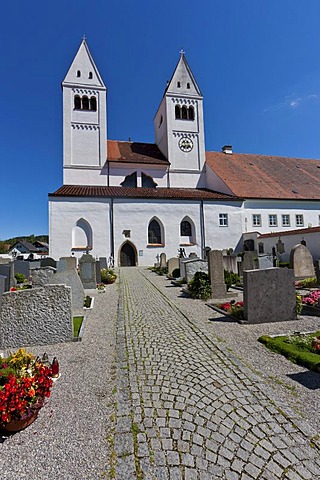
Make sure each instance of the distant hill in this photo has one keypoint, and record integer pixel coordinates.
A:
(6, 244)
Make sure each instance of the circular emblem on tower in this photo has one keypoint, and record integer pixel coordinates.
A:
(185, 144)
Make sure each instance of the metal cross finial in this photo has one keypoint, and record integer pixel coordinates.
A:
(84, 37)
(182, 51)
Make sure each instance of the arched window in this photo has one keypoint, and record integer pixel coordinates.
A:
(78, 73)
(85, 103)
(90, 75)
(178, 111)
(178, 84)
(154, 232)
(184, 112)
(82, 235)
(77, 102)
(185, 228)
(93, 103)
(147, 181)
(188, 85)
(191, 113)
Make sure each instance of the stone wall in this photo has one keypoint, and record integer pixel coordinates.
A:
(38, 316)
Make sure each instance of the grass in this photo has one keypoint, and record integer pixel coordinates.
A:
(297, 348)
(77, 322)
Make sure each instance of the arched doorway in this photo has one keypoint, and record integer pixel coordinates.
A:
(127, 255)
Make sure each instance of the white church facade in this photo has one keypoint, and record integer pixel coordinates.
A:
(136, 200)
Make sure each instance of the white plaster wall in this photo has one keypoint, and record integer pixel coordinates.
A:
(63, 215)
(214, 182)
(160, 128)
(219, 238)
(118, 173)
(84, 176)
(309, 209)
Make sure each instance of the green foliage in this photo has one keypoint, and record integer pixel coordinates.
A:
(295, 348)
(160, 270)
(231, 278)
(31, 238)
(199, 286)
(298, 304)
(87, 301)
(20, 277)
(308, 282)
(284, 264)
(108, 275)
(176, 273)
(77, 322)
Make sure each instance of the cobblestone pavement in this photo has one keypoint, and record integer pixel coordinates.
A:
(189, 409)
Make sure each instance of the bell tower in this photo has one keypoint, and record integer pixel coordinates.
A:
(179, 128)
(84, 119)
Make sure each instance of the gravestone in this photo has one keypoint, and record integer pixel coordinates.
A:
(194, 265)
(265, 261)
(22, 266)
(98, 271)
(301, 262)
(48, 262)
(216, 274)
(37, 316)
(42, 276)
(193, 255)
(2, 286)
(230, 263)
(173, 264)
(67, 275)
(182, 266)
(88, 271)
(163, 260)
(103, 262)
(7, 270)
(317, 269)
(269, 295)
(249, 260)
(280, 246)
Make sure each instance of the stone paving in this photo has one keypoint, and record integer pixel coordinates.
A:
(189, 409)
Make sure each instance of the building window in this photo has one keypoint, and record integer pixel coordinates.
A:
(184, 112)
(191, 113)
(78, 73)
(178, 112)
(273, 220)
(90, 75)
(93, 103)
(85, 103)
(178, 84)
(188, 86)
(286, 220)
(260, 247)
(154, 232)
(223, 219)
(185, 229)
(299, 221)
(77, 102)
(147, 181)
(256, 220)
(130, 180)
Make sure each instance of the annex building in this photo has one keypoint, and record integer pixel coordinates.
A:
(136, 200)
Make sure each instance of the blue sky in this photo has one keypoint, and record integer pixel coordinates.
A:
(257, 64)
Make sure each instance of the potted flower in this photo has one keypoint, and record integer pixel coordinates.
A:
(25, 383)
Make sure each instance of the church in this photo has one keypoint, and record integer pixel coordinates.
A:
(133, 201)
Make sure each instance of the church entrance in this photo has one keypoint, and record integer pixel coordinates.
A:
(127, 255)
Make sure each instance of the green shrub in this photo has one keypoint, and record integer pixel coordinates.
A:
(231, 278)
(108, 275)
(308, 282)
(295, 349)
(176, 273)
(299, 304)
(20, 277)
(199, 286)
(87, 302)
(284, 264)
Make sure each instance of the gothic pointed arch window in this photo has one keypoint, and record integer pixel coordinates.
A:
(155, 232)
(93, 103)
(77, 102)
(187, 232)
(85, 103)
(82, 237)
(177, 111)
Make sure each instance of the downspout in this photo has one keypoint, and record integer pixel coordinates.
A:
(111, 229)
(202, 230)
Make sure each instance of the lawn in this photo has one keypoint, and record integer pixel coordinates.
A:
(77, 322)
(297, 348)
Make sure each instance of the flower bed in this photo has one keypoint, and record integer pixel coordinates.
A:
(25, 383)
(233, 308)
(300, 348)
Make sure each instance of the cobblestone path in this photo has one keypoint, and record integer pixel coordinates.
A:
(188, 410)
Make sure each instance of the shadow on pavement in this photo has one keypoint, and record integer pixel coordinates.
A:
(310, 380)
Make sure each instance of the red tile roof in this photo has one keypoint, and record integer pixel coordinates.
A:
(130, 192)
(263, 176)
(134, 152)
(301, 231)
